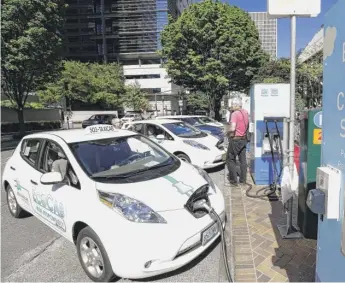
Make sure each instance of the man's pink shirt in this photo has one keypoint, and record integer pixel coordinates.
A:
(241, 118)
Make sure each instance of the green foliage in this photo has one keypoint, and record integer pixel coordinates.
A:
(308, 79)
(135, 98)
(31, 126)
(87, 82)
(28, 105)
(31, 47)
(197, 100)
(212, 47)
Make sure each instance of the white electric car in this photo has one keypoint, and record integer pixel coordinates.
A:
(200, 119)
(185, 141)
(128, 205)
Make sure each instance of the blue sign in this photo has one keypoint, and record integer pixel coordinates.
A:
(330, 263)
(318, 119)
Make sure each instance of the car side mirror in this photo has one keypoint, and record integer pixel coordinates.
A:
(160, 138)
(51, 178)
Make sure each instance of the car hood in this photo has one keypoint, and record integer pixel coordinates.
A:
(210, 141)
(167, 193)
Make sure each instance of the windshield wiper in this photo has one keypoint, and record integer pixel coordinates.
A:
(131, 174)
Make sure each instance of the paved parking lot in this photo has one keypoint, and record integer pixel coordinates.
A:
(33, 252)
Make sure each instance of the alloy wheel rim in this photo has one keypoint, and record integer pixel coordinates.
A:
(12, 201)
(91, 257)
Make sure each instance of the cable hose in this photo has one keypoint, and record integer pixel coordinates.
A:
(223, 245)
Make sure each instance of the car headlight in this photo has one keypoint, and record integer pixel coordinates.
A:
(207, 177)
(131, 209)
(196, 144)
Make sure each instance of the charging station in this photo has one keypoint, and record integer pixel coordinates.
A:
(310, 159)
(270, 105)
(328, 199)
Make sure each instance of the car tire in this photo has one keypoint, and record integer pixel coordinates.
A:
(184, 157)
(88, 237)
(13, 206)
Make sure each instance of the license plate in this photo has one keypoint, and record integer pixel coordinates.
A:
(209, 234)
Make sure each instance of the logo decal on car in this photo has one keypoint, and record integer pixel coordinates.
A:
(50, 209)
(181, 187)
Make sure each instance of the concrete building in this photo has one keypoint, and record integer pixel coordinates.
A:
(268, 31)
(127, 32)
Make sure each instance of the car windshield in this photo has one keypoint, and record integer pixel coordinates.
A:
(184, 130)
(120, 156)
(192, 121)
(206, 119)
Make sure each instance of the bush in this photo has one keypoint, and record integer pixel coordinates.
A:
(31, 126)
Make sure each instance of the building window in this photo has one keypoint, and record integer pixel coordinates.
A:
(134, 77)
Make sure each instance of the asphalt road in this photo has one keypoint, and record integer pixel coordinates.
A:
(30, 251)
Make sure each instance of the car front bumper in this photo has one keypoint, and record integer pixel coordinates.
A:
(161, 248)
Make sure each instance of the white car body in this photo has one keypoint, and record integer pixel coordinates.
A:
(129, 117)
(211, 122)
(203, 158)
(130, 246)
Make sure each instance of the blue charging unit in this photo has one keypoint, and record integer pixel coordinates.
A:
(270, 103)
(330, 265)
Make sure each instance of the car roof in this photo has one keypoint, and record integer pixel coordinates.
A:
(80, 135)
(157, 121)
(176, 116)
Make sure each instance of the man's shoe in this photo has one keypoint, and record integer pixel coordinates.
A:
(234, 184)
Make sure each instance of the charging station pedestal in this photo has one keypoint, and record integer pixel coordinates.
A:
(269, 103)
(310, 159)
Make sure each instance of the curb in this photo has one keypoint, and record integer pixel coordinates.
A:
(228, 230)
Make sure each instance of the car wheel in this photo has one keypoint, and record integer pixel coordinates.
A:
(183, 157)
(15, 209)
(93, 257)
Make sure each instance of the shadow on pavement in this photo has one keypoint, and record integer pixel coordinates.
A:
(294, 258)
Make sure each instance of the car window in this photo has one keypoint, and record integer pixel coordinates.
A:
(155, 130)
(30, 150)
(120, 156)
(54, 160)
(191, 121)
(139, 128)
(92, 117)
(184, 130)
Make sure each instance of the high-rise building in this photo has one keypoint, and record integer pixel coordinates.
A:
(267, 28)
(127, 32)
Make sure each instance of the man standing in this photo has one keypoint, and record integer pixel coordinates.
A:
(239, 123)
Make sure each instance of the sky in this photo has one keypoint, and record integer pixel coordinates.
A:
(305, 29)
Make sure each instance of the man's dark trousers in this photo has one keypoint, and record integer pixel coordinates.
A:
(237, 147)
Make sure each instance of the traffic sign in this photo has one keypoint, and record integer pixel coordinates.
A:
(317, 136)
(318, 119)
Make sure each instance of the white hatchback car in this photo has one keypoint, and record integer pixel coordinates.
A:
(185, 141)
(128, 205)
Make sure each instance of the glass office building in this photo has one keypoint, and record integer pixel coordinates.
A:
(116, 30)
(267, 28)
(127, 32)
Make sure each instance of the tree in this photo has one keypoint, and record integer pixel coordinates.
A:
(31, 48)
(87, 82)
(135, 97)
(197, 100)
(308, 79)
(212, 47)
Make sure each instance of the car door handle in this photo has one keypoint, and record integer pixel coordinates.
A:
(14, 169)
(33, 182)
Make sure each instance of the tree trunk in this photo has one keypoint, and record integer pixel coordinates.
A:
(20, 113)
(217, 106)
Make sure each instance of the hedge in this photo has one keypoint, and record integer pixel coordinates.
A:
(31, 126)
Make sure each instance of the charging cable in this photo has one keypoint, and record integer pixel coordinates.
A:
(202, 205)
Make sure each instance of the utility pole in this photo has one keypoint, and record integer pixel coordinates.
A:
(292, 96)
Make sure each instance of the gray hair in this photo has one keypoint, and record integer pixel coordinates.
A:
(236, 102)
